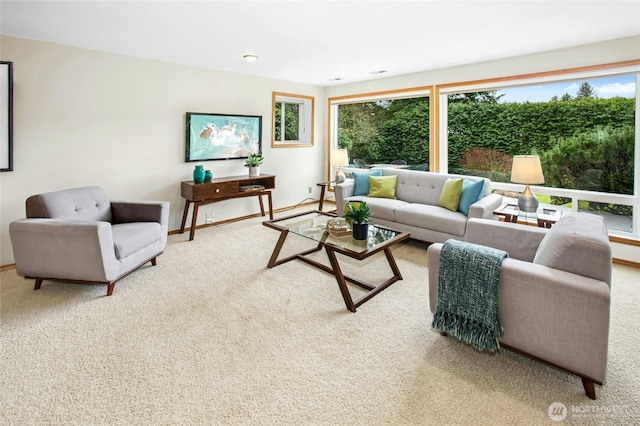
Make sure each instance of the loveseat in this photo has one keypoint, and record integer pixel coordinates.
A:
(415, 202)
(553, 291)
(78, 235)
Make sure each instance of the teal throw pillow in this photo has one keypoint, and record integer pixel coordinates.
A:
(361, 181)
(471, 192)
(450, 195)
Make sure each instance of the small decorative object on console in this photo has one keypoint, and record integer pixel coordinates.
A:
(253, 163)
(198, 174)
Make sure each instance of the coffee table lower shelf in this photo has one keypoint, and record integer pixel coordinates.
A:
(335, 269)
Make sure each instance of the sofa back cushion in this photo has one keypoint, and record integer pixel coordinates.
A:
(421, 187)
(578, 243)
(87, 203)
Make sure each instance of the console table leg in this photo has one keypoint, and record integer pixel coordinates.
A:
(194, 219)
(261, 204)
(270, 205)
(184, 215)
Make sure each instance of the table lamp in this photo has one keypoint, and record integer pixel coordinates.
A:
(339, 159)
(527, 169)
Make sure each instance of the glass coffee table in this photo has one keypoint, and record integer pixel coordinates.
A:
(312, 225)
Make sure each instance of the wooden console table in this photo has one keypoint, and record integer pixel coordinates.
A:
(224, 188)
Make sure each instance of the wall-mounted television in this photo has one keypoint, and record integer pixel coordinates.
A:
(222, 136)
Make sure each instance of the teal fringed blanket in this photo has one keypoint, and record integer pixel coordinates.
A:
(468, 294)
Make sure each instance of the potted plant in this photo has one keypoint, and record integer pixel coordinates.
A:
(253, 163)
(358, 213)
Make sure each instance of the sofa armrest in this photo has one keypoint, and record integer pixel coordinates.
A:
(520, 241)
(65, 249)
(557, 316)
(140, 211)
(342, 191)
(485, 207)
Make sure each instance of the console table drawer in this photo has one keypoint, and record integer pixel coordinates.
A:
(210, 190)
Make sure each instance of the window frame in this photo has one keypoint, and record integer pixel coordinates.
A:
(334, 102)
(627, 68)
(306, 115)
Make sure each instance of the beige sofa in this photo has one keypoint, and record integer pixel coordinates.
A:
(416, 207)
(553, 293)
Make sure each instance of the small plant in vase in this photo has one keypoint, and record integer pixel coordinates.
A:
(358, 213)
(253, 163)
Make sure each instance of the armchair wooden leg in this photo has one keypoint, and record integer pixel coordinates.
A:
(589, 388)
(110, 288)
(38, 284)
(153, 261)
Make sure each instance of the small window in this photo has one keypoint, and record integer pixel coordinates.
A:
(292, 120)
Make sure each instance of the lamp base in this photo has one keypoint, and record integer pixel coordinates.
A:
(340, 176)
(527, 202)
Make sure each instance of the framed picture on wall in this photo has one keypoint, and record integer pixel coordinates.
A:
(222, 136)
(6, 116)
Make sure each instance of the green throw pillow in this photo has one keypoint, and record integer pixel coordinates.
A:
(383, 186)
(450, 195)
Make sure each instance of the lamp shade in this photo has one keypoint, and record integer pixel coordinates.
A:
(339, 158)
(526, 169)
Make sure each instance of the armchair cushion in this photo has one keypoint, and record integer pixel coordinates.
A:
(128, 238)
(89, 203)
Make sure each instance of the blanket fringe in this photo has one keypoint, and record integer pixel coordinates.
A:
(475, 333)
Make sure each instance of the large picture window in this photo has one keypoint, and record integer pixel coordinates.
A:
(583, 127)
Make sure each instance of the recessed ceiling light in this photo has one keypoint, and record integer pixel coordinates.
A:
(250, 58)
(378, 72)
(336, 79)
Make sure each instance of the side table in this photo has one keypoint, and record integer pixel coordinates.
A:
(323, 186)
(545, 217)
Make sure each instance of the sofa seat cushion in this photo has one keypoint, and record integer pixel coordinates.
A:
(129, 238)
(381, 208)
(432, 217)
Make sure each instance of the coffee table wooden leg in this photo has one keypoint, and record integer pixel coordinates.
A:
(392, 263)
(273, 261)
(342, 283)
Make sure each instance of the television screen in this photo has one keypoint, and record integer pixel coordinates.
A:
(222, 136)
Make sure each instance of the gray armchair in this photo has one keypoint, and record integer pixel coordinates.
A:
(79, 236)
(554, 290)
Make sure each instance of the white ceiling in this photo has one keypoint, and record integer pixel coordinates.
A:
(316, 41)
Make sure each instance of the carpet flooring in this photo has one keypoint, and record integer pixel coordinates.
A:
(212, 336)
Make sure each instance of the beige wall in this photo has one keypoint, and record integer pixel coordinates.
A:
(88, 118)
(91, 118)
